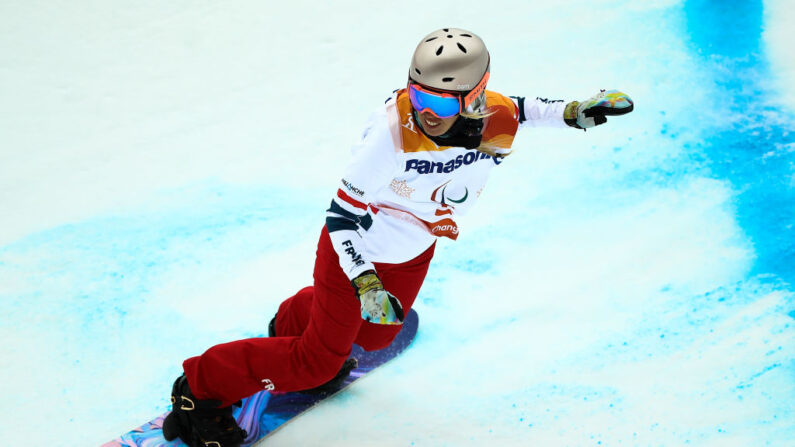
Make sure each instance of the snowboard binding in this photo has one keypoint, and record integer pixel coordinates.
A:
(200, 423)
(332, 385)
(335, 384)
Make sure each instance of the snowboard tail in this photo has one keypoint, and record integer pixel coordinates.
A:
(265, 412)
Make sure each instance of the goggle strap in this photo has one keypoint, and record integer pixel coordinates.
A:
(475, 92)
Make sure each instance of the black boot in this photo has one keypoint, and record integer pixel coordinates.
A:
(200, 423)
(333, 384)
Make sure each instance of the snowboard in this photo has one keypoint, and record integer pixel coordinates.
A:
(265, 412)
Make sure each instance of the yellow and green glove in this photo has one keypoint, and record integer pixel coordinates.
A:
(594, 111)
(377, 305)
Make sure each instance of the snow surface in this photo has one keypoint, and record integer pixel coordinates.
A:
(165, 167)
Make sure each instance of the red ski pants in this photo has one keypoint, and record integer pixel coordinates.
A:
(315, 330)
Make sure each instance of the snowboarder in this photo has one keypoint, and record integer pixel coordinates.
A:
(422, 160)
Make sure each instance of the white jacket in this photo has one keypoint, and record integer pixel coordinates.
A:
(401, 190)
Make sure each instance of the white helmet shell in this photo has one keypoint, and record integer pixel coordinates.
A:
(450, 59)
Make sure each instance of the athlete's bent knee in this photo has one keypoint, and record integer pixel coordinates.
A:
(373, 337)
(325, 370)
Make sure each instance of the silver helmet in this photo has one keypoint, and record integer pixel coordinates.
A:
(450, 59)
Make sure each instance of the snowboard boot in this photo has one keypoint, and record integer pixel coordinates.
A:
(200, 423)
(333, 384)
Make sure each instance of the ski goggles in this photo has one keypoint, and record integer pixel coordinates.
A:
(443, 104)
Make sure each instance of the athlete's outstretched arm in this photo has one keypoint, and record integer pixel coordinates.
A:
(540, 112)
(543, 112)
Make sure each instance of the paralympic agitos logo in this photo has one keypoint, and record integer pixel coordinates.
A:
(429, 167)
(439, 195)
